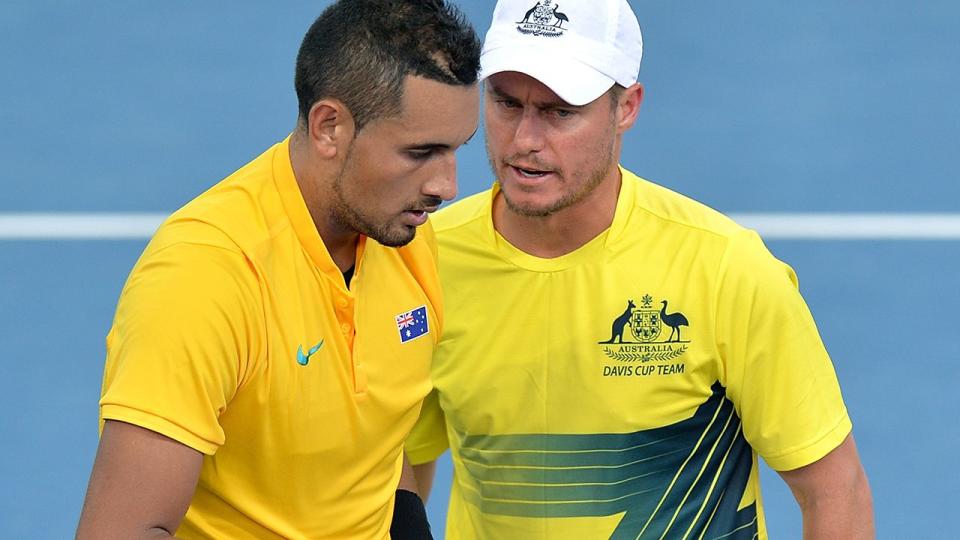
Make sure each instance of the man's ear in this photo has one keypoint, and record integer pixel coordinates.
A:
(331, 127)
(628, 107)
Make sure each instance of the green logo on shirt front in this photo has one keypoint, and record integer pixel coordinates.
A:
(304, 359)
(634, 337)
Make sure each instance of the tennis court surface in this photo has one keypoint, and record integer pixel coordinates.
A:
(804, 111)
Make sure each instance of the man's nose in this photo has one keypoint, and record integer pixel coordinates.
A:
(529, 133)
(443, 182)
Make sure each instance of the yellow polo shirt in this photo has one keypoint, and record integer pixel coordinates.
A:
(626, 389)
(236, 335)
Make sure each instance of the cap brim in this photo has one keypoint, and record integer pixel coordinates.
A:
(575, 82)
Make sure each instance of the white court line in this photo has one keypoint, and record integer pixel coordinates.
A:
(846, 226)
(71, 226)
(799, 226)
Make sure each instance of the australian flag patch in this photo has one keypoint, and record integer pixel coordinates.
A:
(412, 324)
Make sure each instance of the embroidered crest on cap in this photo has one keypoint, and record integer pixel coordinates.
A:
(543, 19)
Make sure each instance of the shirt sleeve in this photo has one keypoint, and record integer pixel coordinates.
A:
(778, 373)
(181, 343)
(428, 439)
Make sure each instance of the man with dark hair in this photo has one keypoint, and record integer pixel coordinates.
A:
(616, 356)
(361, 55)
(271, 347)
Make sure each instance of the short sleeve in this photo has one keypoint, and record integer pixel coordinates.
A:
(186, 328)
(777, 372)
(428, 439)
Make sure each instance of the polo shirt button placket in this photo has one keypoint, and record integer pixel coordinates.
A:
(359, 376)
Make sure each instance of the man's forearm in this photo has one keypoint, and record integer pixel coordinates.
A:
(424, 474)
(409, 515)
(834, 495)
(848, 515)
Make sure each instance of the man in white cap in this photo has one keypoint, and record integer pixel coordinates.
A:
(616, 356)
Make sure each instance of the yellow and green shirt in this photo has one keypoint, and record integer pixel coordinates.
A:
(623, 390)
(236, 335)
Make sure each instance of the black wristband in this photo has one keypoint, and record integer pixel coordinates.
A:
(409, 518)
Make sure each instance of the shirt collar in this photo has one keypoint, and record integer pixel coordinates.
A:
(299, 216)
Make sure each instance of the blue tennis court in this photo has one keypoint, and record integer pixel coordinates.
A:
(813, 108)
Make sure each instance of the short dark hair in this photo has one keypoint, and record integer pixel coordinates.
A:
(360, 51)
(615, 92)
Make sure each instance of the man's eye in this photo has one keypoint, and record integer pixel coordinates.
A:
(420, 154)
(506, 103)
(563, 113)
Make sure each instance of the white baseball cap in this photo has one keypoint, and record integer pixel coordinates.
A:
(579, 48)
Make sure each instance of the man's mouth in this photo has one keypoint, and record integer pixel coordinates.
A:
(419, 213)
(424, 210)
(529, 172)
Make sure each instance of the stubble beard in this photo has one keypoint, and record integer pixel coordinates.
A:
(594, 178)
(350, 217)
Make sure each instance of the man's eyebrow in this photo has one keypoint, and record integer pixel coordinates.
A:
(428, 146)
(497, 92)
(436, 145)
(557, 103)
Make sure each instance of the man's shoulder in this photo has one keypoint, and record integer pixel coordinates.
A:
(679, 218)
(467, 212)
(676, 210)
(237, 213)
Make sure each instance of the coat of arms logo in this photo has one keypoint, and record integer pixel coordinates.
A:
(543, 19)
(645, 341)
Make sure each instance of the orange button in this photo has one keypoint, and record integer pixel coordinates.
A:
(345, 328)
(342, 302)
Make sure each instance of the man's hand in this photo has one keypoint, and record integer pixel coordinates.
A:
(141, 485)
(834, 495)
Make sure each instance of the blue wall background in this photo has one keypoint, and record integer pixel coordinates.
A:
(750, 106)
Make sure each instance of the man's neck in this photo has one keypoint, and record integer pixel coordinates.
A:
(341, 242)
(564, 231)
